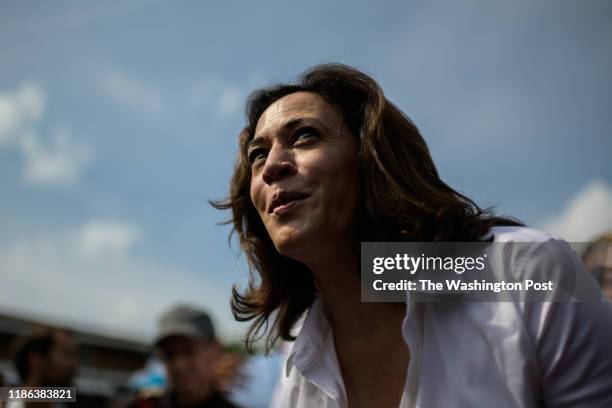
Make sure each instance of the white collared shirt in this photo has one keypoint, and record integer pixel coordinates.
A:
(476, 354)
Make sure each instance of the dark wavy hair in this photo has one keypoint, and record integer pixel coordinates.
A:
(402, 197)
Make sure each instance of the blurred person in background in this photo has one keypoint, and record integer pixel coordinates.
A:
(597, 259)
(198, 372)
(48, 357)
(249, 383)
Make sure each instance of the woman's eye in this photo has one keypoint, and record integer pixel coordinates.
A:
(305, 134)
(256, 155)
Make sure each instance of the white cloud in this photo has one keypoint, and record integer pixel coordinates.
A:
(588, 214)
(19, 109)
(103, 238)
(133, 93)
(91, 275)
(210, 93)
(57, 161)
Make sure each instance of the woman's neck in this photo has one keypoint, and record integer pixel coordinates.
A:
(339, 284)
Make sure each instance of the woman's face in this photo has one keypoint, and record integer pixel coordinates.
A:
(304, 175)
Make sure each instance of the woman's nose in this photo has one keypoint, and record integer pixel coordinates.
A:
(279, 164)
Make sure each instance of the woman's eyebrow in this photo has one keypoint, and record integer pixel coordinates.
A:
(256, 142)
(287, 126)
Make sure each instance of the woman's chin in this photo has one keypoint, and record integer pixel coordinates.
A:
(289, 242)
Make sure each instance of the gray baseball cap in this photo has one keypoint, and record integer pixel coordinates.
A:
(185, 320)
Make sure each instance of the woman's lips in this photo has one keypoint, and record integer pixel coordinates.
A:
(284, 201)
(286, 207)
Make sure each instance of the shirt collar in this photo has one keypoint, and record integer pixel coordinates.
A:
(314, 328)
(314, 355)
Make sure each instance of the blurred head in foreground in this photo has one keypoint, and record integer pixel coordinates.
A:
(48, 357)
(598, 261)
(187, 345)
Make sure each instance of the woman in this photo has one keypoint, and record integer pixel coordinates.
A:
(329, 162)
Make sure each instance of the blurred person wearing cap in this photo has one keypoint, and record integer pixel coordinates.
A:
(597, 259)
(196, 367)
(48, 357)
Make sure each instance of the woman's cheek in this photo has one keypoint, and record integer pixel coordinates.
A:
(256, 198)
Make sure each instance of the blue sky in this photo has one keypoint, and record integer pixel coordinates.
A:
(119, 120)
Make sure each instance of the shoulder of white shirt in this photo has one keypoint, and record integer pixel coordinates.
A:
(518, 234)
